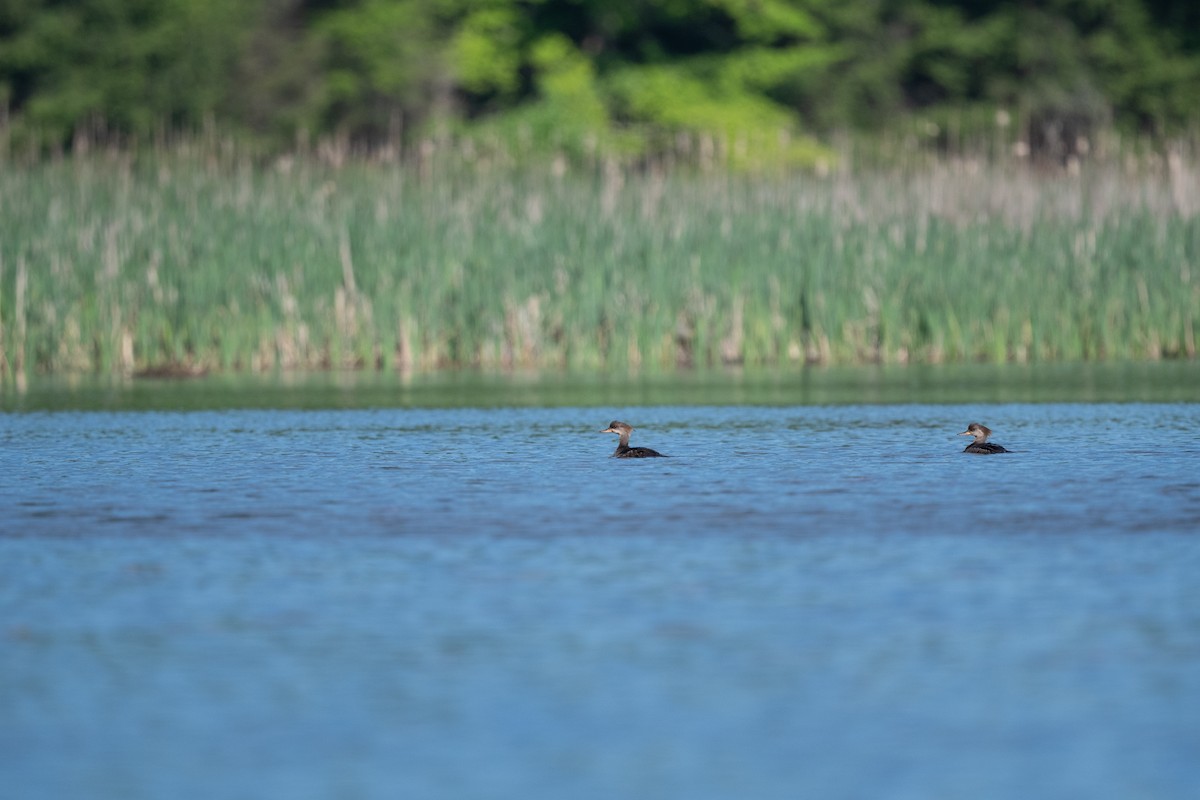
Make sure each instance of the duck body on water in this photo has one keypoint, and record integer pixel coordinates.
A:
(981, 446)
(623, 429)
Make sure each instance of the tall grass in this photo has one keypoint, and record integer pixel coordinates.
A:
(179, 261)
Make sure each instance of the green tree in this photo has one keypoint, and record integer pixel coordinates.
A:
(386, 60)
(646, 73)
(758, 77)
(129, 66)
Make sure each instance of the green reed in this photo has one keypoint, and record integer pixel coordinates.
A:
(184, 261)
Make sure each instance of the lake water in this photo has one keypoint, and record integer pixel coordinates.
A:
(803, 601)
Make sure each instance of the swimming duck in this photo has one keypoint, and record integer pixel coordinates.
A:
(623, 450)
(981, 445)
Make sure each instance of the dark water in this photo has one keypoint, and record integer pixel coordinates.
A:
(802, 602)
(1105, 382)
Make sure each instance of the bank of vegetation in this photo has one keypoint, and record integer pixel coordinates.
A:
(192, 260)
(197, 185)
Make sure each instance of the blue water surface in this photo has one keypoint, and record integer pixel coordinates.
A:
(801, 602)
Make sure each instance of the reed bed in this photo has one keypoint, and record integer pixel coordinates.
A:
(179, 263)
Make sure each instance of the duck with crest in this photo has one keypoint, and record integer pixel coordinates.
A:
(623, 429)
(981, 446)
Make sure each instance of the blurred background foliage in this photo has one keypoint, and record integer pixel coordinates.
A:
(768, 81)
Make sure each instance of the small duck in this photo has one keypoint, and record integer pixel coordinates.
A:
(623, 450)
(981, 445)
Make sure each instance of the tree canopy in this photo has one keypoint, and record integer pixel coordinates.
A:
(781, 75)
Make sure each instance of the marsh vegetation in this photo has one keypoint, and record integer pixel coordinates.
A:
(198, 259)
